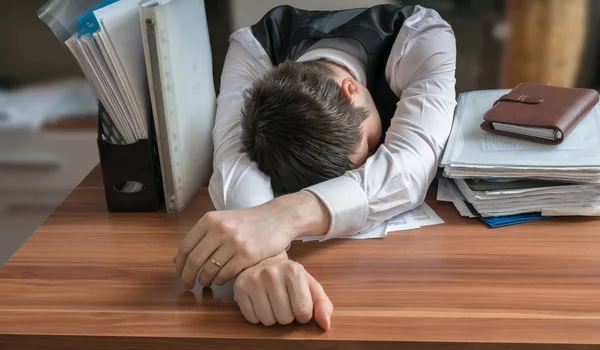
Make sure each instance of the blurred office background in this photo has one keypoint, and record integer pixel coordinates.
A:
(551, 39)
(500, 43)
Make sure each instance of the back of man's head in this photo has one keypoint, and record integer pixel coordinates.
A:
(299, 127)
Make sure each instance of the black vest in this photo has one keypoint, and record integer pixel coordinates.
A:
(284, 28)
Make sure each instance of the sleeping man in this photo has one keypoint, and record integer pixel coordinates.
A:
(328, 123)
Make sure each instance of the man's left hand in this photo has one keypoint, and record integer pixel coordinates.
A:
(224, 243)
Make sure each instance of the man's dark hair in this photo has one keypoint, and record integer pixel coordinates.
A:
(298, 125)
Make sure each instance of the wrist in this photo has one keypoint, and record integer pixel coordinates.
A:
(274, 259)
(279, 257)
(305, 215)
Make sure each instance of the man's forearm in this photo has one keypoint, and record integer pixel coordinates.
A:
(305, 214)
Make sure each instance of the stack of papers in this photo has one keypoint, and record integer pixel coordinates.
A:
(527, 200)
(519, 205)
(506, 180)
(108, 47)
(474, 153)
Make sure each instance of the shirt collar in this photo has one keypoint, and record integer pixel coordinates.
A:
(354, 65)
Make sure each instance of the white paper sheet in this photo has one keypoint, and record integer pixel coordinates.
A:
(444, 191)
(448, 192)
(574, 174)
(402, 222)
(567, 193)
(424, 216)
(544, 190)
(414, 219)
(592, 210)
(378, 232)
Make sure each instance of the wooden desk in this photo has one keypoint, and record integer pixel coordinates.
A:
(89, 279)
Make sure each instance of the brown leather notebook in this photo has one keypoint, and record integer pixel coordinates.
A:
(538, 112)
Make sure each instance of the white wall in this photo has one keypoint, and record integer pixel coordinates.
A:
(247, 12)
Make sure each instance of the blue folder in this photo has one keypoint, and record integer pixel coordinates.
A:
(500, 221)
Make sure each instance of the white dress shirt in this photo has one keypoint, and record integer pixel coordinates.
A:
(420, 70)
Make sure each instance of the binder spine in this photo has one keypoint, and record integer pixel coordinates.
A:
(158, 63)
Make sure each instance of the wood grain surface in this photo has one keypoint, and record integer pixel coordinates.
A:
(89, 279)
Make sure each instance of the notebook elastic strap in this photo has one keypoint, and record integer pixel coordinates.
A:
(520, 99)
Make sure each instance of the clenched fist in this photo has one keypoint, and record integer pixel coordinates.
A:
(279, 290)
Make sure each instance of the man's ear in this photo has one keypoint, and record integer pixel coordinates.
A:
(350, 87)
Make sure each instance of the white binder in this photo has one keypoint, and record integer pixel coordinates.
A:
(179, 66)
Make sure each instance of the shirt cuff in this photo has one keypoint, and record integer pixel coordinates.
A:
(347, 204)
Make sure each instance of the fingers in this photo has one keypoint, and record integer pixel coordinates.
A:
(246, 307)
(262, 306)
(278, 295)
(236, 265)
(189, 243)
(240, 259)
(281, 292)
(210, 269)
(323, 308)
(299, 292)
(196, 259)
(229, 271)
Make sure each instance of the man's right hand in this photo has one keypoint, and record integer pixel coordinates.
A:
(279, 290)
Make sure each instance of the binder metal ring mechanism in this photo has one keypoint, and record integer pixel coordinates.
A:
(130, 172)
